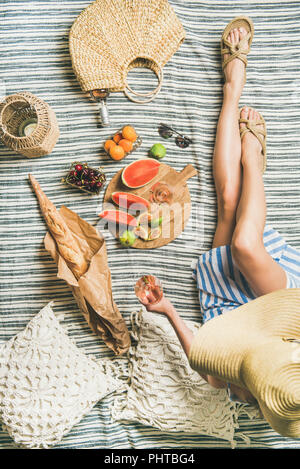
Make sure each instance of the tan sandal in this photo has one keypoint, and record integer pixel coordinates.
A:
(242, 49)
(259, 133)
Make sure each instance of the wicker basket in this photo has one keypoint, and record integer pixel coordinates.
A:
(21, 107)
(110, 37)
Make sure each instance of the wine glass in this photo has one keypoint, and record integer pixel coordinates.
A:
(149, 289)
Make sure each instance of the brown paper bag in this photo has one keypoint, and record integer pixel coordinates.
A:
(92, 291)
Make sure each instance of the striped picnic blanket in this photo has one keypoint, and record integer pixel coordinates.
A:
(35, 57)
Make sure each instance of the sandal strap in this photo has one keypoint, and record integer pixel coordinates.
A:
(259, 133)
(238, 51)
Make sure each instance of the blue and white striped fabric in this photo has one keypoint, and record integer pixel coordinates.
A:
(222, 287)
(35, 57)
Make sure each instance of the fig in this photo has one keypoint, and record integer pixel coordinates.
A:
(141, 232)
(158, 151)
(155, 222)
(127, 238)
(154, 234)
(143, 219)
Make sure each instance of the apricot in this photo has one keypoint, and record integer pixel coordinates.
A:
(126, 144)
(109, 144)
(117, 152)
(129, 133)
(117, 137)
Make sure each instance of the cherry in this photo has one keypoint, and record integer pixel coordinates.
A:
(79, 167)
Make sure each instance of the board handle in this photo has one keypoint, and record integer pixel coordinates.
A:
(187, 172)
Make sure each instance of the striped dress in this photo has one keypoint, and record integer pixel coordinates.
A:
(222, 287)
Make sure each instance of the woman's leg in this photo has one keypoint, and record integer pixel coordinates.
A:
(227, 168)
(227, 152)
(263, 274)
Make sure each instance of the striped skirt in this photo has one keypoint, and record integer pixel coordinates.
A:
(223, 287)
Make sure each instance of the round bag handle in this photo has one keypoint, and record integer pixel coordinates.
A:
(149, 96)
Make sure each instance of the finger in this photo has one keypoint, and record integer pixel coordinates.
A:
(143, 299)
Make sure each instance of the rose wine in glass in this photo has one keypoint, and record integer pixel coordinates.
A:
(148, 289)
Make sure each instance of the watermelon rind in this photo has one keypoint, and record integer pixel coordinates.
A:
(140, 201)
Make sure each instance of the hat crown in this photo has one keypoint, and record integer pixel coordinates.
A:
(271, 372)
(250, 346)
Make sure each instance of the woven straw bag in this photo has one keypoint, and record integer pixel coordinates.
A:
(110, 37)
(18, 108)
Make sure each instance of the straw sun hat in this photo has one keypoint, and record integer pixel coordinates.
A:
(110, 37)
(257, 346)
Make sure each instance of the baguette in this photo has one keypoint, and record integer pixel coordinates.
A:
(66, 243)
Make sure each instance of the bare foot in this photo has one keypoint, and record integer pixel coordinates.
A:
(235, 70)
(251, 146)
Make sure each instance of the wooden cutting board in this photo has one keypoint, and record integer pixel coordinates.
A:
(175, 216)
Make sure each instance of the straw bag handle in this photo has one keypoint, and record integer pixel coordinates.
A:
(149, 96)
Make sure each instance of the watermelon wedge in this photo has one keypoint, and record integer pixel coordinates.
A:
(140, 172)
(118, 217)
(126, 200)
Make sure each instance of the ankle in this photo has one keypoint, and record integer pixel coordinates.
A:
(251, 159)
(232, 92)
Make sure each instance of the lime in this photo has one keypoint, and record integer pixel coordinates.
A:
(158, 151)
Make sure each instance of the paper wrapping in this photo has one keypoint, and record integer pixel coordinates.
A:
(92, 291)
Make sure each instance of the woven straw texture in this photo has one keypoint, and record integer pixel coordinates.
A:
(231, 347)
(14, 110)
(110, 37)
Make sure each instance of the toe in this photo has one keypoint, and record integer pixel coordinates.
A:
(237, 36)
(244, 115)
(252, 114)
(242, 32)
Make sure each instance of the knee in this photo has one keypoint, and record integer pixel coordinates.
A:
(228, 197)
(244, 247)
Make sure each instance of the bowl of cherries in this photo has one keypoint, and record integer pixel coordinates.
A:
(85, 178)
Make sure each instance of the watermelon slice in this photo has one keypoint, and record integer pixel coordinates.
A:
(118, 217)
(140, 172)
(126, 200)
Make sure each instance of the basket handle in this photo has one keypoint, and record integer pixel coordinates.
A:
(128, 91)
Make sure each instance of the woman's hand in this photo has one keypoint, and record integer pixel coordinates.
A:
(164, 306)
